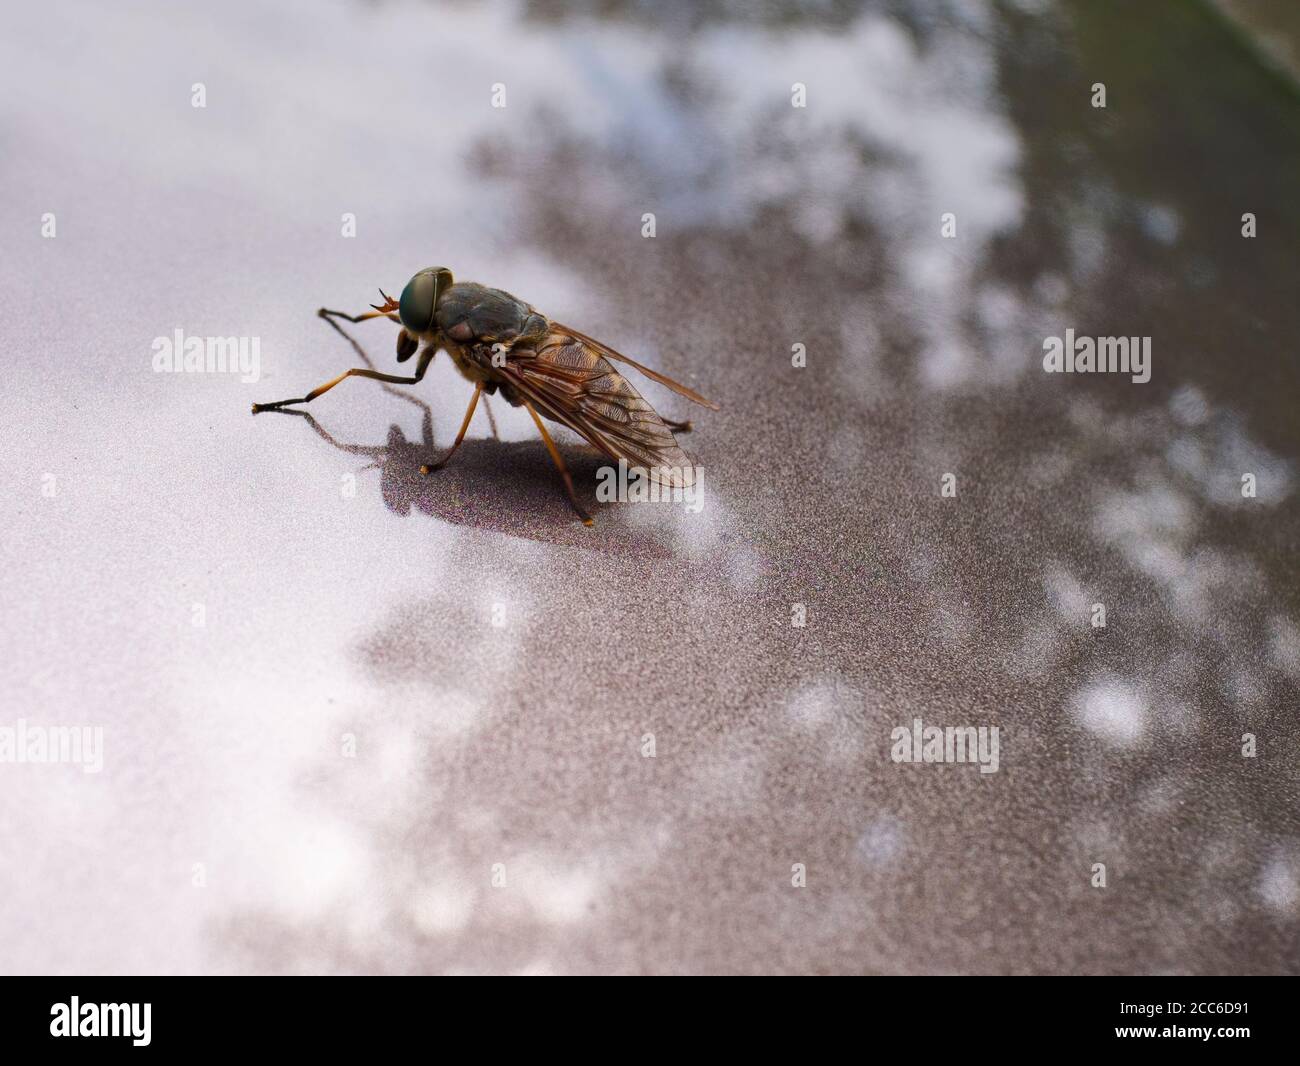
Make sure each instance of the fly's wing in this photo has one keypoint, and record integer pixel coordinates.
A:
(567, 377)
(653, 375)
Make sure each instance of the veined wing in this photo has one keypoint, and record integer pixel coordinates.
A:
(567, 377)
(653, 375)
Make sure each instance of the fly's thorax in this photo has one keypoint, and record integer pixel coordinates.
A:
(469, 368)
(468, 309)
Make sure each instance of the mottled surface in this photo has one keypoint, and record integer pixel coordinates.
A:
(497, 666)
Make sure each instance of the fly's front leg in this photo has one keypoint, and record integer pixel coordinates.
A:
(388, 310)
(325, 312)
(359, 372)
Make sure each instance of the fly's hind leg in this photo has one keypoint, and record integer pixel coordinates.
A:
(678, 427)
(559, 462)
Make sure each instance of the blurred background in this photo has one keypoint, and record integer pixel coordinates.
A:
(339, 699)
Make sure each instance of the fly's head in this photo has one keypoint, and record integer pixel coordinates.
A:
(416, 307)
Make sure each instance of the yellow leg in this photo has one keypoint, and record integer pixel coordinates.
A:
(492, 422)
(358, 372)
(559, 462)
(325, 312)
(473, 402)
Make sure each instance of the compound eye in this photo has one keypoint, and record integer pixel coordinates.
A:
(415, 308)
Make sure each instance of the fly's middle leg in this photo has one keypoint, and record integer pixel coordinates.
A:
(428, 468)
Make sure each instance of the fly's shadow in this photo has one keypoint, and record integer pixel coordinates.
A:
(499, 486)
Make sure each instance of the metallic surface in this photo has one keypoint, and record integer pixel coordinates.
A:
(338, 698)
